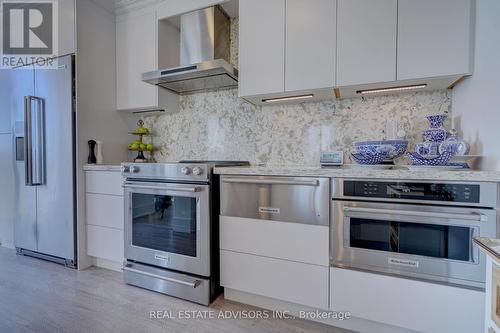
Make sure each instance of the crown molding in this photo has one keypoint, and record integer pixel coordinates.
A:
(126, 6)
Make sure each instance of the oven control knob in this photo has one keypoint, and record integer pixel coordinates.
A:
(185, 170)
(197, 171)
(133, 169)
(124, 168)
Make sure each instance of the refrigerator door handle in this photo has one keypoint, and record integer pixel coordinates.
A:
(28, 158)
(34, 142)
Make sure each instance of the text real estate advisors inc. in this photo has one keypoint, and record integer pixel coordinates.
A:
(248, 314)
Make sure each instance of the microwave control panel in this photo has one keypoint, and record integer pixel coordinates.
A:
(466, 193)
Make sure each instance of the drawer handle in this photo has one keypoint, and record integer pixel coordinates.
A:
(314, 182)
(194, 284)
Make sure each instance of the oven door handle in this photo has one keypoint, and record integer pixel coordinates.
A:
(159, 187)
(193, 284)
(470, 217)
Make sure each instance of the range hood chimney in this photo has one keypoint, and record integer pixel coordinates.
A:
(204, 55)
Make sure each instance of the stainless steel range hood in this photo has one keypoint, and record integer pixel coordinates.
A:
(204, 55)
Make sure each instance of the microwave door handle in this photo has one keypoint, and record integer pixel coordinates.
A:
(471, 216)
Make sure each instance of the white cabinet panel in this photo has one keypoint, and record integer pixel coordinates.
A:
(280, 279)
(135, 55)
(104, 182)
(366, 46)
(416, 305)
(310, 44)
(292, 241)
(262, 47)
(67, 27)
(435, 38)
(105, 243)
(105, 210)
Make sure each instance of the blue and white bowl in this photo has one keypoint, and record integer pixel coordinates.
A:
(392, 148)
(443, 159)
(368, 159)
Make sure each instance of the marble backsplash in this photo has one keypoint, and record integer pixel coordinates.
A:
(221, 126)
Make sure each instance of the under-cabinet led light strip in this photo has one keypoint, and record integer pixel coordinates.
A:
(289, 98)
(391, 89)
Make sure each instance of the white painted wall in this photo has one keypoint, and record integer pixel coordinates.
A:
(475, 101)
(97, 117)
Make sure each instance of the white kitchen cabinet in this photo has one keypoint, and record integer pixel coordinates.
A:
(104, 215)
(287, 48)
(415, 305)
(135, 55)
(262, 47)
(366, 46)
(104, 182)
(435, 38)
(310, 44)
(259, 237)
(105, 243)
(67, 27)
(279, 279)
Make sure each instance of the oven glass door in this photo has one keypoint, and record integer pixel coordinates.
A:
(165, 223)
(168, 226)
(423, 239)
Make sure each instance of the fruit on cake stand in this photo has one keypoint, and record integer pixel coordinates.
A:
(139, 145)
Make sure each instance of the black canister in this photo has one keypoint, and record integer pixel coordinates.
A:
(92, 159)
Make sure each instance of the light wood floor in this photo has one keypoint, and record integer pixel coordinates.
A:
(39, 296)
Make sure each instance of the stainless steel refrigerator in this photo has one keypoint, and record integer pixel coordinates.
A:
(42, 106)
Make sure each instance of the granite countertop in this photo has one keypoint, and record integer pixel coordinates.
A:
(490, 246)
(362, 172)
(102, 167)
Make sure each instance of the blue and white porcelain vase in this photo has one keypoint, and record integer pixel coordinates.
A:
(454, 145)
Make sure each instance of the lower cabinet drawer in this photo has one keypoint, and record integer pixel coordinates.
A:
(282, 240)
(289, 281)
(411, 304)
(105, 210)
(105, 243)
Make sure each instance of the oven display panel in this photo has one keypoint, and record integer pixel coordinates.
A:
(467, 193)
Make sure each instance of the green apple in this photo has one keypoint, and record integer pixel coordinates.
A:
(135, 146)
(150, 147)
(142, 146)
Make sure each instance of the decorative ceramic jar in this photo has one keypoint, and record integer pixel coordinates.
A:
(435, 135)
(454, 144)
(427, 148)
(437, 120)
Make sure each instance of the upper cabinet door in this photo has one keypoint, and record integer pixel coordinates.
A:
(435, 38)
(366, 47)
(135, 55)
(262, 47)
(310, 44)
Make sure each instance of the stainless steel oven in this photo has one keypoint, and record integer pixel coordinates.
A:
(172, 228)
(167, 225)
(414, 229)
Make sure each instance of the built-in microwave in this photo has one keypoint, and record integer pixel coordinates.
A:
(413, 229)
